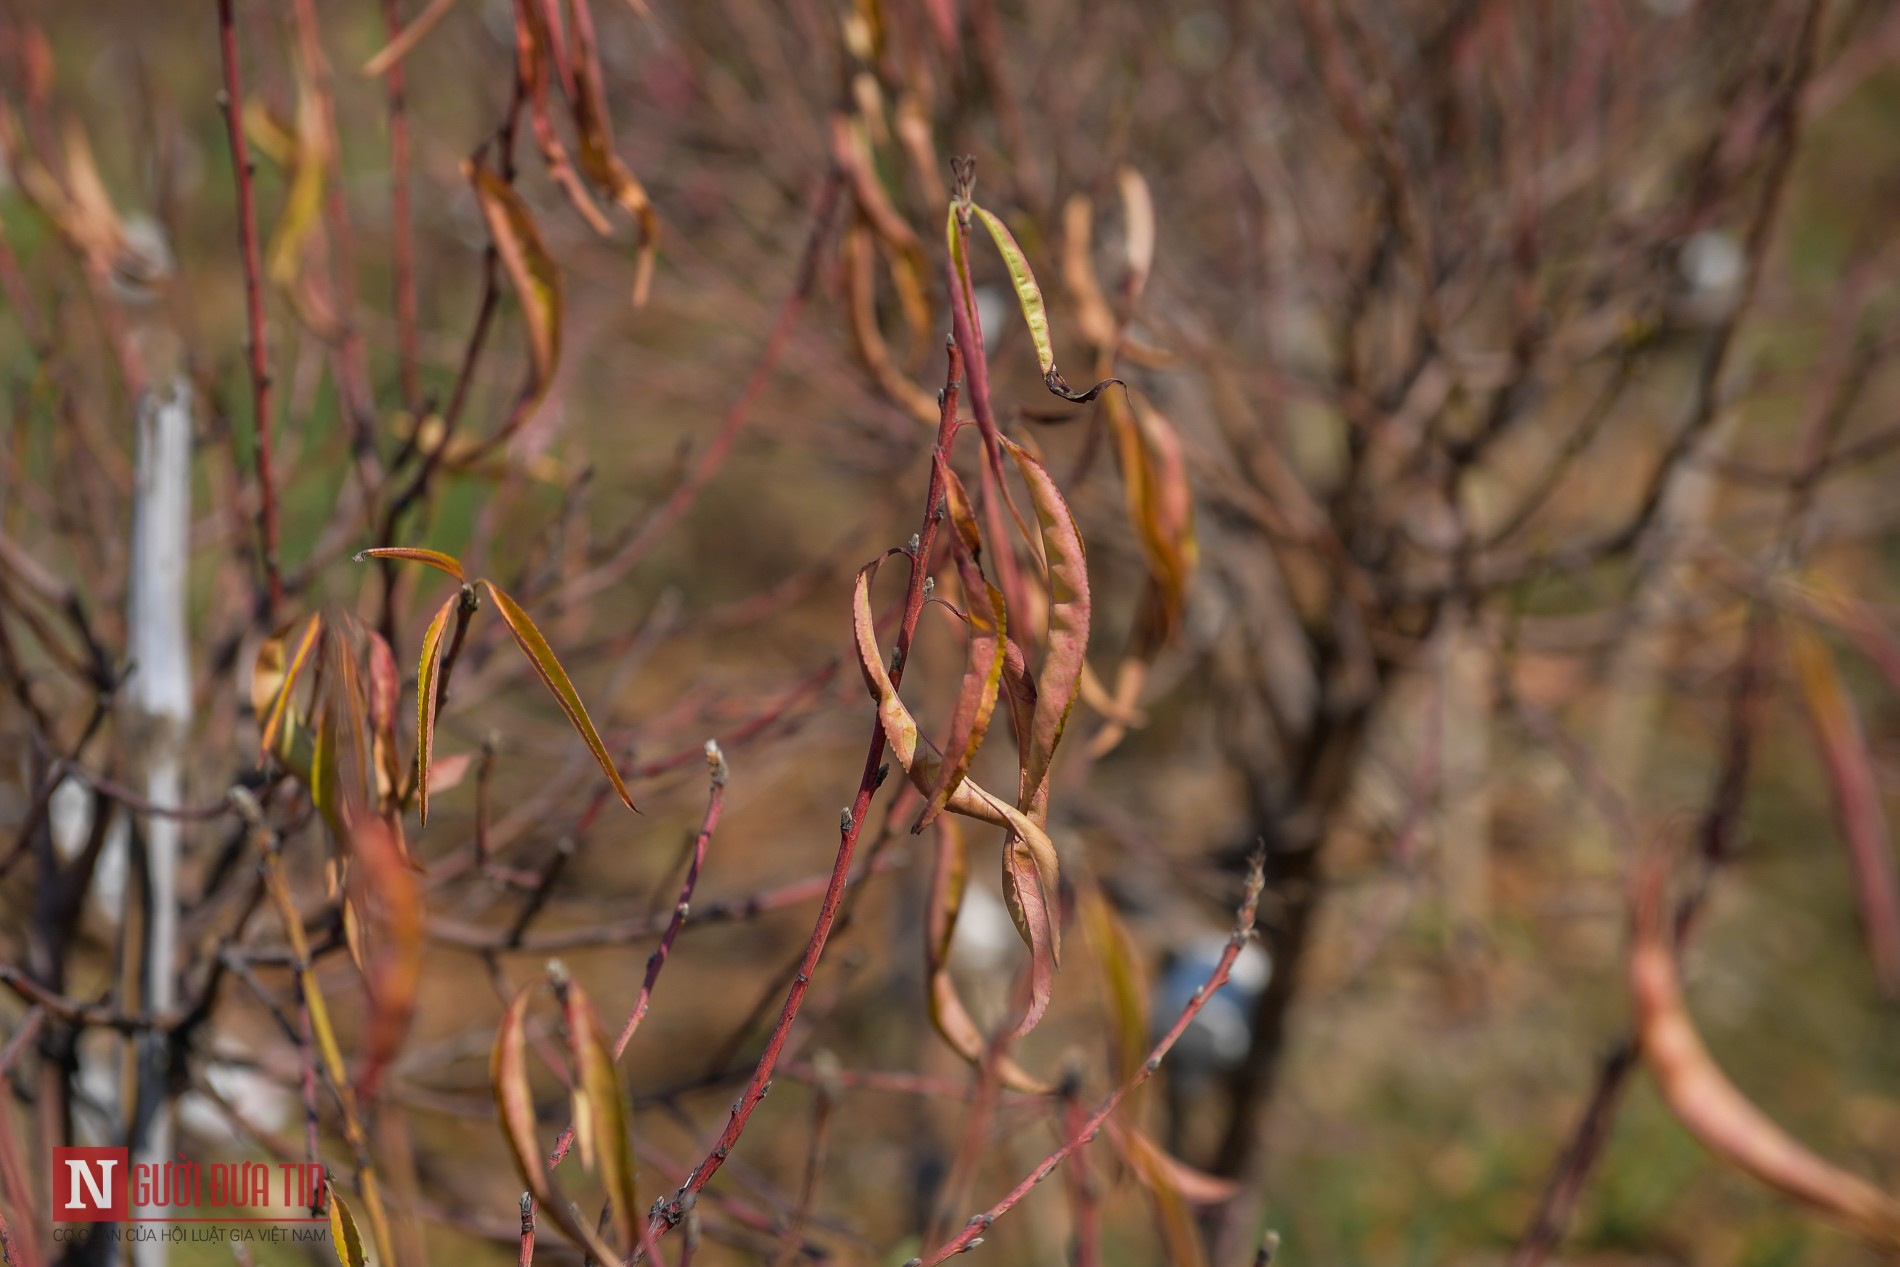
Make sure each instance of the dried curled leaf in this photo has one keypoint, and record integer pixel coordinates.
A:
(1161, 504)
(982, 678)
(1029, 891)
(1703, 1099)
(542, 657)
(1030, 855)
(1069, 613)
(531, 271)
(860, 265)
(599, 159)
(948, 879)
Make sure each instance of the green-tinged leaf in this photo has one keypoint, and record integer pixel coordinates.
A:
(599, 159)
(531, 270)
(428, 688)
(344, 1238)
(541, 656)
(1035, 311)
(956, 234)
(508, 1075)
(416, 554)
(272, 681)
(1028, 292)
(1857, 804)
(320, 1026)
(303, 205)
(1067, 645)
(1122, 978)
(603, 1122)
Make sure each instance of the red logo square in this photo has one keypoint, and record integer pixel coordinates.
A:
(89, 1184)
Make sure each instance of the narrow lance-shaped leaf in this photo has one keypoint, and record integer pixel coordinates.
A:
(541, 656)
(602, 1120)
(1856, 795)
(280, 701)
(416, 554)
(860, 266)
(1035, 311)
(1068, 640)
(531, 270)
(508, 1074)
(344, 1238)
(1152, 1161)
(303, 205)
(428, 687)
(1708, 1104)
(1094, 315)
(1180, 1233)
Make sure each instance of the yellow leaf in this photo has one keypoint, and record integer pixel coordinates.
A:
(541, 656)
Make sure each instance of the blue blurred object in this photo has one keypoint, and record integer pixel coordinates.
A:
(1218, 1038)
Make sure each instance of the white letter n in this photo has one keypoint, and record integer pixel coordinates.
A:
(100, 1193)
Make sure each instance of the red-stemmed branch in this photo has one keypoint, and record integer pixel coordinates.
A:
(232, 103)
(715, 802)
(851, 821)
(401, 234)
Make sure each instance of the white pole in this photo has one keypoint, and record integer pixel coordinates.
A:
(159, 694)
